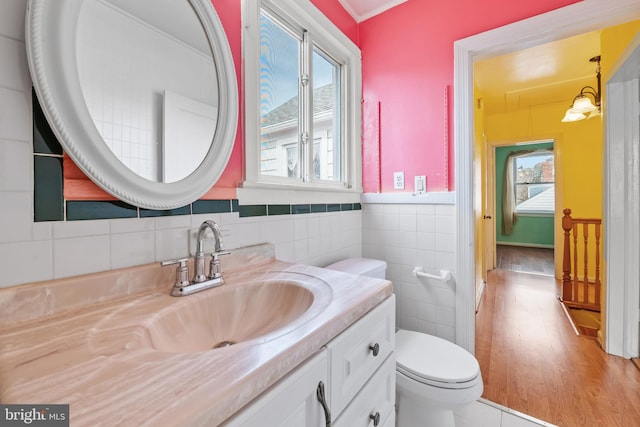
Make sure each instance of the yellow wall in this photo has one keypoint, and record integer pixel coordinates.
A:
(578, 157)
(614, 41)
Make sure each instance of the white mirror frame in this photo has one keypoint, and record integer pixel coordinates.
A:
(51, 52)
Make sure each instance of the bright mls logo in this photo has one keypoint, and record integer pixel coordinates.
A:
(34, 415)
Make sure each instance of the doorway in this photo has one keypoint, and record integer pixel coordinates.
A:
(523, 187)
(558, 24)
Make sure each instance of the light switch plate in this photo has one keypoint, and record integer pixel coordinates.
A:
(398, 180)
(420, 184)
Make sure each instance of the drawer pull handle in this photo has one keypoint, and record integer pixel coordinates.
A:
(376, 419)
(323, 401)
(375, 349)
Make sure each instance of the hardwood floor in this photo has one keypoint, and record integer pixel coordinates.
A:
(532, 361)
(525, 259)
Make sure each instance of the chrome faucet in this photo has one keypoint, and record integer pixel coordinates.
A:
(214, 268)
(200, 281)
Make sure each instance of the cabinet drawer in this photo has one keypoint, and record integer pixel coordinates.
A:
(375, 399)
(292, 402)
(351, 354)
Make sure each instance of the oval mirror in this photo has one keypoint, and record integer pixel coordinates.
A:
(141, 94)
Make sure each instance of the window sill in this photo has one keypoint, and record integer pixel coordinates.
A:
(268, 193)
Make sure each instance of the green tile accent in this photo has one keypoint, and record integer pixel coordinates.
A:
(346, 207)
(234, 205)
(150, 213)
(318, 207)
(279, 209)
(47, 189)
(44, 140)
(333, 207)
(79, 210)
(357, 206)
(252, 210)
(300, 209)
(211, 206)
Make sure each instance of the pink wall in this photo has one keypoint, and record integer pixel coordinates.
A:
(230, 15)
(78, 187)
(407, 55)
(333, 10)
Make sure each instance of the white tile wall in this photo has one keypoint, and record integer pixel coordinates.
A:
(415, 235)
(43, 251)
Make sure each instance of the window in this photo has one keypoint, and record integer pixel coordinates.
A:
(302, 99)
(534, 183)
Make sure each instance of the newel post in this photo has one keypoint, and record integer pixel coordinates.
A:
(567, 225)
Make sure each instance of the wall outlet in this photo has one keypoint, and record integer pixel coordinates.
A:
(420, 184)
(398, 180)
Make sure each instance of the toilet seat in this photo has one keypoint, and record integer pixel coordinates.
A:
(435, 361)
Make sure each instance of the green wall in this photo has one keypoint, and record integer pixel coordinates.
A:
(528, 230)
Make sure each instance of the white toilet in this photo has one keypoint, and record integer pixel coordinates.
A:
(433, 375)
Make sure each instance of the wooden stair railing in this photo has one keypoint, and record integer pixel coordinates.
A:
(576, 290)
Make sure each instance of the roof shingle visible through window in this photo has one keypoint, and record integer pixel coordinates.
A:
(323, 100)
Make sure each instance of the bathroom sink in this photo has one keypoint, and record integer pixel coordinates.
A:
(228, 316)
(218, 318)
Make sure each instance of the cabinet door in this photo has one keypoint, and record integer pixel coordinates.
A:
(359, 351)
(292, 402)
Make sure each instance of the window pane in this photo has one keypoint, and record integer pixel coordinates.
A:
(535, 190)
(279, 111)
(327, 153)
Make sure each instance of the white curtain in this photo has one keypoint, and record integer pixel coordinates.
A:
(509, 216)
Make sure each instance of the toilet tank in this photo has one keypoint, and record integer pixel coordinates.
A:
(361, 266)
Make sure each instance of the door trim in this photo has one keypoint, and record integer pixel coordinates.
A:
(621, 219)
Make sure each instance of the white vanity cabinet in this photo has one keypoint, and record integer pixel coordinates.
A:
(292, 402)
(362, 372)
(357, 370)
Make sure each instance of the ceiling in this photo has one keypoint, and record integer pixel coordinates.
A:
(545, 74)
(361, 10)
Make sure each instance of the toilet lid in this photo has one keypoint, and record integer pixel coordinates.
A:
(429, 359)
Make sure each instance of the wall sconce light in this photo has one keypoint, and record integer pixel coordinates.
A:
(582, 104)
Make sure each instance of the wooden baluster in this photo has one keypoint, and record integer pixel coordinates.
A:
(567, 225)
(585, 279)
(576, 279)
(598, 264)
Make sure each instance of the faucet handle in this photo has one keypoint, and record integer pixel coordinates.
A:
(175, 261)
(182, 271)
(222, 252)
(215, 272)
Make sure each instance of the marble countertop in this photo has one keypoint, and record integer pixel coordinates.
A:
(84, 354)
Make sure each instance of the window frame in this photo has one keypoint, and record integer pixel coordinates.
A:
(324, 35)
(532, 213)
